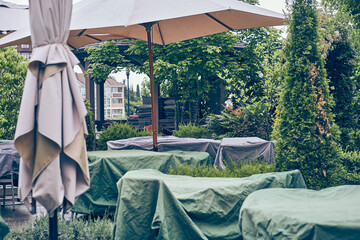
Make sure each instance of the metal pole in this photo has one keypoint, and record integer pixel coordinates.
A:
(152, 86)
(53, 226)
(128, 89)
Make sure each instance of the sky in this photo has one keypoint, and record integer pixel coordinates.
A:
(274, 5)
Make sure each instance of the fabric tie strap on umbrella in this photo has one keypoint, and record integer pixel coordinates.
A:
(51, 126)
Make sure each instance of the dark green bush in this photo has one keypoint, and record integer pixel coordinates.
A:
(90, 139)
(118, 131)
(353, 139)
(233, 169)
(79, 228)
(192, 131)
(346, 170)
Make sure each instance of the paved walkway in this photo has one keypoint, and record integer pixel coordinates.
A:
(16, 219)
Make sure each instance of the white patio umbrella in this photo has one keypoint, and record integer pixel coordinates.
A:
(12, 17)
(165, 21)
(51, 126)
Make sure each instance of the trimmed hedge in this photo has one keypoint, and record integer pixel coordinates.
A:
(192, 131)
(232, 170)
(79, 228)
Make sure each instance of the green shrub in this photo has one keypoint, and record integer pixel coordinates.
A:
(192, 131)
(90, 127)
(233, 169)
(79, 228)
(352, 139)
(118, 131)
(346, 170)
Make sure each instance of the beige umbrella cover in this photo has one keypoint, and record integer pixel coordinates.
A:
(51, 126)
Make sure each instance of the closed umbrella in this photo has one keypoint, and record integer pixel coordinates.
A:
(158, 21)
(51, 126)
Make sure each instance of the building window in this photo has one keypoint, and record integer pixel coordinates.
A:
(116, 89)
(117, 100)
(107, 102)
(107, 91)
(25, 46)
(25, 55)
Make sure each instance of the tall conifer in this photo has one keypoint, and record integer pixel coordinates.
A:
(303, 123)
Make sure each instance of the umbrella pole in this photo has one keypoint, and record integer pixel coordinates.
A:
(53, 226)
(152, 86)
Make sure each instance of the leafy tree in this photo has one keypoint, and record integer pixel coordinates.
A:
(189, 70)
(303, 127)
(350, 6)
(13, 70)
(104, 59)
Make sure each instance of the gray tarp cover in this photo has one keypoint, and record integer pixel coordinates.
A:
(168, 143)
(107, 167)
(9, 159)
(332, 213)
(244, 149)
(152, 205)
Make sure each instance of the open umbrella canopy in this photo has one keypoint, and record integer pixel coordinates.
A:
(12, 17)
(51, 125)
(95, 21)
(157, 21)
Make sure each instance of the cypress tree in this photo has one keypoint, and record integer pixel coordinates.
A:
(303, 123)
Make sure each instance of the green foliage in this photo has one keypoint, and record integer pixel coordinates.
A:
(118, 131)
(339, 52)
(256, 71)
(350, 6)
(233, 169)
(90, 139)
(345, 170)
(188, 70)
(104, 60)
(78, 228)
(192, 131)
(13, 70)
(303, 127)
(248, 121)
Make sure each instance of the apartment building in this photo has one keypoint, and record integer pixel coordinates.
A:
(114, 101)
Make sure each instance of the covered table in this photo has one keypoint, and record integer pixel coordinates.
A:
(107, 167)
(245, 149)
(332, 213)
(168, 143)
(9, 159)
(152, 205)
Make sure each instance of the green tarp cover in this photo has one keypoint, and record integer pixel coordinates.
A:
(332, 213)
(107, 167)
(152, 205)
(4, 228)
